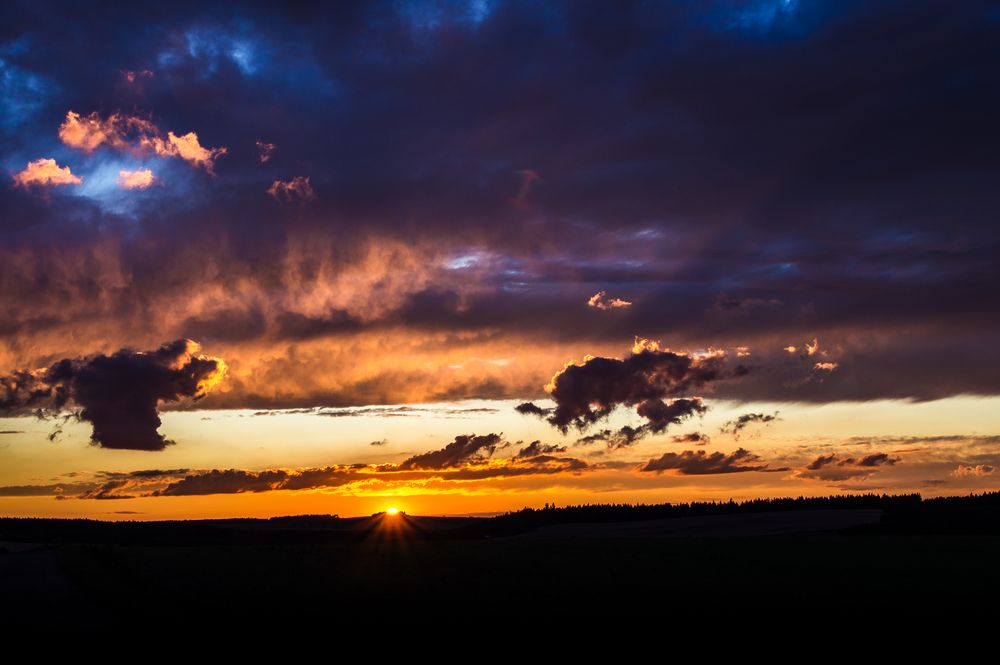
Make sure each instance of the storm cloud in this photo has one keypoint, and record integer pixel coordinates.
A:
(118, 394)
(830, 187)
(646, 379)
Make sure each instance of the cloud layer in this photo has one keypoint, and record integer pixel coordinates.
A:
(461, 228)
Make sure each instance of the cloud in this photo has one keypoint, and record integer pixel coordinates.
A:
(296, 189)
(117, 394)
(531, 409)
(585, 394)
(138, 179)
(464, 449)
(230, 481)
(972, 471)
(698, 462)
(187, 147)
(45, 173)
(696, 438)
(737, 425)
(236, 481)
(135, 134)
(630, 203)
(265, 150)
(536, 448)
(600, 300)
(87, 133)
(834, 467)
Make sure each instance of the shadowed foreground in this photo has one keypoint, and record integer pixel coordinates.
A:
(910, 558)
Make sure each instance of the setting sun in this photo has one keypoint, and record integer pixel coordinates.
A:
(392, 511)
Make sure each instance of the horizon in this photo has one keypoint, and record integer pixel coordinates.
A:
(464, 258)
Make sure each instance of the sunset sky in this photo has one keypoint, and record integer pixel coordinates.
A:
(465, 257)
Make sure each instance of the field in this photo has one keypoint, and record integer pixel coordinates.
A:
(418, 570)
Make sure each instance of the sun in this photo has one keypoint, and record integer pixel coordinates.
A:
(392, 511)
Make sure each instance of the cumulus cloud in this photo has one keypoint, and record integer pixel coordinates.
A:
(187, 147)
(45, 172)
(117, 394)
(296, 189)
(87, 133)
(134, 134)
(600, 300)
(138, 179)
(977, 470)
(698, 462)
(650, 379)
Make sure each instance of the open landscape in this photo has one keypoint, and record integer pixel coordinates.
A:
(908, 557)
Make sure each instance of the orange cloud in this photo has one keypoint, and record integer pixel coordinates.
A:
(134, 134)
(600, 300)
(139, 179)
(45, 173)
(296, 189)
(963, 471)
(187, 147)
(89, 132)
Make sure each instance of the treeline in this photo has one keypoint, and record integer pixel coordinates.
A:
(530, 518)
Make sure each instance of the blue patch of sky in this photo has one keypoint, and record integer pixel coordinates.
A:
(211, 47)
(22, 93)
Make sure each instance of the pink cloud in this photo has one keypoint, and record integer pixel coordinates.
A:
(45, 173)
(139, 179)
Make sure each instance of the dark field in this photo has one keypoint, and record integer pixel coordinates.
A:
(915, 559)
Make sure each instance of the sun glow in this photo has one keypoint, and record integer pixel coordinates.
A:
(392, 511)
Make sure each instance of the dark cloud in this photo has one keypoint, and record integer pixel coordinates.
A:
(117, 394)
(587, 393)
(536, 448)
(531, 409)
(738, 424)
(157, 473)
(694, 437)
(230, 481)
(698, 462)
(532, 159)
(646, 379)
(464, 449)
(834, 467)
(54, 489)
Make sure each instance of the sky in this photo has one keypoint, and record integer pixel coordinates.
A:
(466, 257)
